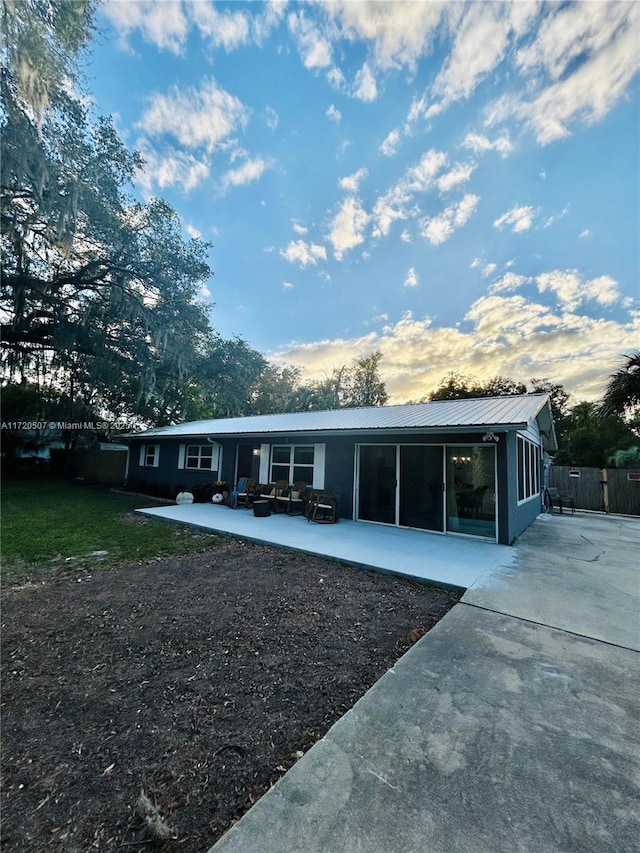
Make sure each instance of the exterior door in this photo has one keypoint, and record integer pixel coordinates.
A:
(421, 487)
(245, 461)
(471, 490)
(401, 485)
(377, 483)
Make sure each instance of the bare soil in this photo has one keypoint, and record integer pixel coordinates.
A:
(148, 706)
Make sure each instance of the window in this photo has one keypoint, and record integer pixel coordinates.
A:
(199, 456)
(292, 462)
(528, 469)
(149, 455)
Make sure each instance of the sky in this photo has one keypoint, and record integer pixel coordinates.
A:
(455, 185)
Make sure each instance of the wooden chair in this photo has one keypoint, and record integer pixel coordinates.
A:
(323, 508)
(247, 487)
(293, 500)
(276, 494)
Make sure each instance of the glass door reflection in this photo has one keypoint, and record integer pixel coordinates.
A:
(471, 490)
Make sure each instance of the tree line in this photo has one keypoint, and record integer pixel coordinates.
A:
(591, 434)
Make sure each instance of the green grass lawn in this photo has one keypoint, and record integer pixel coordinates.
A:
(44, 523)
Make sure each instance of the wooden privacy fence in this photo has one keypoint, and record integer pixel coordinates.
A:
(600, 489)
(107, 467)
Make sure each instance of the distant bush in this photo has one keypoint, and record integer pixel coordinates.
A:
(629, 458)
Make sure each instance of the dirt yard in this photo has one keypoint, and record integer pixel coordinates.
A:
(150, 705)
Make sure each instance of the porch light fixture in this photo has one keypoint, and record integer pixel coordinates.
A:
(490, 436)
(256, 451)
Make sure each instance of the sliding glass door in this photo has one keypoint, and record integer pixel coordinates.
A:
(429, 487)
(401, 485)
(471, 490)
(421, 490)
(377, 484)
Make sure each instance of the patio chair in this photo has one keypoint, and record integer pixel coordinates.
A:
(294, 499)
(552, 497)
(246, 491)
(323, 508)
(277, 492)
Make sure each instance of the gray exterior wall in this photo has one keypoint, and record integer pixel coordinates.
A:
(519, 516)
(167, 479)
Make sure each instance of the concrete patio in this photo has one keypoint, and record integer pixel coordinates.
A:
(448, 560)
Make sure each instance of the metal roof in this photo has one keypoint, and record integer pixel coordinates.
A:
(461, 415)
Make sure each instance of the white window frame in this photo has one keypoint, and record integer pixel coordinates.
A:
(292, 464)
(528, 473)
(149, 455)
(316, 470)
(184, 455)
(194, 452)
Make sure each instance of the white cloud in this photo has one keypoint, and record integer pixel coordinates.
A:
(389, 208)
(196, 118)
(398, 33)
(315, 49)
(585, 233)
(164, 25)
(488, 270)
(398, 202)
(569, 33)
(171, 167)
(352, 182)
(520, 218)
(305, 254)
(571, 289)
(412, 279)
(480, 42)
(337, 80)
(510, 336)
(224, 29)
(438, 229)
(364, 87)
(286, 285)
(347, 229)
(508, 283)
(421, 177)
(389, 146)
(406, 237)
(480, 144)
(418, 108)
(299, 229)
(460, 174)
(603, 290)
(590, 53)
(334, 114)
(250, 171)
(555, 216)
(271, 118)
(193, 232)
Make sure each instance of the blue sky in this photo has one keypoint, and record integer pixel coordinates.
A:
(453, 184)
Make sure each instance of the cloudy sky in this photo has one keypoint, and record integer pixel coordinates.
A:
(454, 184)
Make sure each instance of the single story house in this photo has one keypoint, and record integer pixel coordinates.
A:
(472, 467)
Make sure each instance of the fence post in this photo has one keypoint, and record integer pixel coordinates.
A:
(605, 489)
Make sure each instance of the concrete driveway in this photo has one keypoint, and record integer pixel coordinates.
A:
(514, 725)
